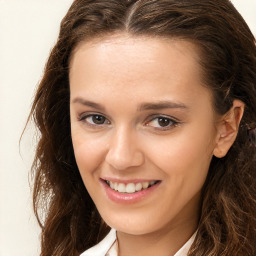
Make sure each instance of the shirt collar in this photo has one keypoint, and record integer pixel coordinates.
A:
(103, 247)
(109, 246)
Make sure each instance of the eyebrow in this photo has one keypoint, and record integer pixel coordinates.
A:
(143, 107)
(161, 105)
(89, 103)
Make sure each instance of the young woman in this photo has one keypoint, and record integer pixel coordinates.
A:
(147, 116)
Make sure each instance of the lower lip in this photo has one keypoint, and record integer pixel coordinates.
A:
(125, 198)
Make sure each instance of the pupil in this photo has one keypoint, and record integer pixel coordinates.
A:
(163, 121)
(98, 119)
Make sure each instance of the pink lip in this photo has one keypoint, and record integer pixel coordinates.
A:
(126, 181)
(124, 198)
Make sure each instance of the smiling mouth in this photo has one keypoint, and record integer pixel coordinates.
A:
(130, 188)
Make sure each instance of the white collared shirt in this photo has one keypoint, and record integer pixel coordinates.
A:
(109, 246)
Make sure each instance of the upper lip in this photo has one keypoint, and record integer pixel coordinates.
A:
(128, 180)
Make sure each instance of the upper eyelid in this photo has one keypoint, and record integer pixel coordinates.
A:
(84, 115)
(83, 120)
(88, 114)
(154, 116)
(169, 126)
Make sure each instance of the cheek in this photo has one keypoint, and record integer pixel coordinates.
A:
(185, 156)
(88, 150)
(184, 163)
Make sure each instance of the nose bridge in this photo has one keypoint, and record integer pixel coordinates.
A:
(124, 151)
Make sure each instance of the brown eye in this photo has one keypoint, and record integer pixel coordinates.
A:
(94, 119)
(163, 121)
(97, 119)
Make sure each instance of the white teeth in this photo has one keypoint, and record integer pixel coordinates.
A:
(138, 187)
(130, 187)
(121, 188)
(111, 184)
(145, 184)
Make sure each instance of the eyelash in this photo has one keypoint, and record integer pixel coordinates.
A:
(172, 122)
(83, 118)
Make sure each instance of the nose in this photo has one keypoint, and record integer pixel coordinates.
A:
(124, 151)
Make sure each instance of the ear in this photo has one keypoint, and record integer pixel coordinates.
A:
(227, 129)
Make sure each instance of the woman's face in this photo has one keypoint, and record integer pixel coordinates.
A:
(143, 124)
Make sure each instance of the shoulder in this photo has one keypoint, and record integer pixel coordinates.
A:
(102, 248)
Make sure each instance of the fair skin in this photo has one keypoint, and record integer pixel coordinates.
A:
(139, 112)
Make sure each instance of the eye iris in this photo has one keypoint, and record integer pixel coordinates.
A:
(163, 121)
(98, 119)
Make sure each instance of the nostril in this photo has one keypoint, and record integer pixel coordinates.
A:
(122, 160)
(123, 151)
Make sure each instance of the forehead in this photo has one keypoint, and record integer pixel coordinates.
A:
(137, 53)
(135, 66)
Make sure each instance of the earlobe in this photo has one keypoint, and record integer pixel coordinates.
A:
(227, 129)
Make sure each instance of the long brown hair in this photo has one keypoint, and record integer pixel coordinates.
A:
(69, 219)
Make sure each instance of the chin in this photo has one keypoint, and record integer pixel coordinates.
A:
(132, 226)
(132, 230)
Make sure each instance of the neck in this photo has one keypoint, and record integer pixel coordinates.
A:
(164, 242)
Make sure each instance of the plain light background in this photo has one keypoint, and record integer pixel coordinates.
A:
(28, 30)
